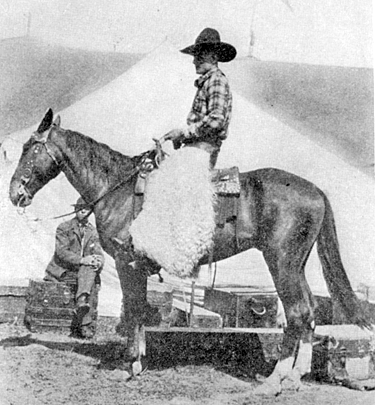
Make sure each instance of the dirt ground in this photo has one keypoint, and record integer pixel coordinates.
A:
(52, 368)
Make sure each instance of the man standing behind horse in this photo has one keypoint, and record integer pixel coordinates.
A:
(176, 225)
(210, 115)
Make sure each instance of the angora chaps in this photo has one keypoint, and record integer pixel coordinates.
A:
(177, 222)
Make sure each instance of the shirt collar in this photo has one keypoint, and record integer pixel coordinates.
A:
(201, 79)
(82, 225)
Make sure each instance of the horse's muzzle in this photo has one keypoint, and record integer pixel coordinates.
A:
(19, 195)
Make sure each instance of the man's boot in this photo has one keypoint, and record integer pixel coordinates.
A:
(83, 307)
(87, 332)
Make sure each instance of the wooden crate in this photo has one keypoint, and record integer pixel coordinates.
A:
(50, 306)
(243, 307)
(12, 303)
(343, 351)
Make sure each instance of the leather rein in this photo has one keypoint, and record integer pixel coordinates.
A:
(145, 165)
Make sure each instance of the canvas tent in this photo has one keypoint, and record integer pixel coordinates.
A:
(334, 32)
(331, 105)
(147, 101)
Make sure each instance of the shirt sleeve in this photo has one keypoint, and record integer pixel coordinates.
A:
(217, 93)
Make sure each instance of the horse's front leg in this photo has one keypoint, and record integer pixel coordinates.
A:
(134, 304)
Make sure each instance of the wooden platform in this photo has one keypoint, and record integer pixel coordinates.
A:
(339, 351)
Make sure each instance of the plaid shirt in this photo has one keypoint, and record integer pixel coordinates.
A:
(211, 111)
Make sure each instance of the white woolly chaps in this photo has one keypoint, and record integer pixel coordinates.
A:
(177, 222)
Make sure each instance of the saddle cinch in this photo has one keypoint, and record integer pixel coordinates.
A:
(227, 188)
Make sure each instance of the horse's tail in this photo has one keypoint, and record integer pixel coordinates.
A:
(334, 272)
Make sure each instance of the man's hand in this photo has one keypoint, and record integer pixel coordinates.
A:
(173, 135)
(94, 261)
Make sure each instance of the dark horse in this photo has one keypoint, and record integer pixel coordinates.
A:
(282, 215)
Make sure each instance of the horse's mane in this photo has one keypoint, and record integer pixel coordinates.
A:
(103, 160)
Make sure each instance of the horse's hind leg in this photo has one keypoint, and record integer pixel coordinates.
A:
(303, 358)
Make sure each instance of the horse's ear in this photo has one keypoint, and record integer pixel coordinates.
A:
(46, 122)
(57, 121)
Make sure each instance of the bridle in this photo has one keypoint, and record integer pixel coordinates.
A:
(145, 165)
(28, 167)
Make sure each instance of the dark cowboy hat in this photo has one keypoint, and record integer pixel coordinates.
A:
(81, 204)
(209, 39)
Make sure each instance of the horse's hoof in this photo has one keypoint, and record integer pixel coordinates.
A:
(137, 368)
(260, 378)
(291, 384)
(268, 389)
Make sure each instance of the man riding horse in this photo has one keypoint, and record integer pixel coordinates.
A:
(175, 227)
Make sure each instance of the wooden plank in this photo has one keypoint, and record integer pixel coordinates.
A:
(243, 289)
(197, 310)
(349, 332)
(247, 291)
(185, 294)
(175, 329)
(195, 316)
(13, 290)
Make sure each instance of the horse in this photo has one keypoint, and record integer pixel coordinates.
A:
(283, 216)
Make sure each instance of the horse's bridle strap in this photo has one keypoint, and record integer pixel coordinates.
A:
(29, 166)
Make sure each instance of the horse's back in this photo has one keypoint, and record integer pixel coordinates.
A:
(278, 202)
(272, 183)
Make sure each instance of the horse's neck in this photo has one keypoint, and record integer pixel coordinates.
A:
(91, 177)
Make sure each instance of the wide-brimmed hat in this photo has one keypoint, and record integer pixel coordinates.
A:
(209, 39)
(81, 204)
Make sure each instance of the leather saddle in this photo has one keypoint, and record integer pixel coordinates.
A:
(227, 181)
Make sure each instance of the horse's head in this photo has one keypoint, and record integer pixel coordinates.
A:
(37, 165)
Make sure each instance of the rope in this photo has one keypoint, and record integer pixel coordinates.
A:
(159, 157)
